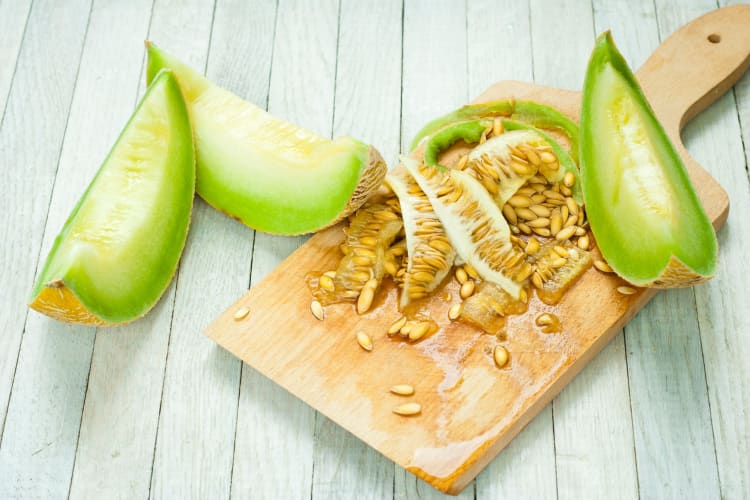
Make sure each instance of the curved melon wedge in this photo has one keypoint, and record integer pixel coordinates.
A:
(267, 173)
(120, 247)
(646, 217)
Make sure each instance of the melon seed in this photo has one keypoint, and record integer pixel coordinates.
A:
(602, 266)
(241, 313)
(500, 354)
(364, 341)
(454, 312)
(626, 290)
(326, 282)
(407, 409)
(396, 326)
(402, 390)
(467, 289)
(317, 309)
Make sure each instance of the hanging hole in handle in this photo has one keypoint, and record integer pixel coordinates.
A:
(714, 38)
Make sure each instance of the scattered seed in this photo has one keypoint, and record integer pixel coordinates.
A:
(524, 228)
(510, 214)
(602, 266)
(519, 201)
(402, 390)
(583, 242)
(364, 341)
(365, 300)
(555, 223)
(558, 262)
(407, 409)
(525, 213)
(566, 191)
(532, 246)
(471, 271)
(461, 275)
(547, 157)
(545, 319)
(454, 312)
(569, 179)
(536, 279)
(566, 233)
(419, 330)
(326, 283)
(539, 222)
(396, 326)
(572, 206)
(467, 289)
(497, 127)
(540, 210)
(462, 162)
(317, 309)
(580, 231)
(241, 313)
(560, 250)
(501, 356)
(542, 231)
(626, 290)
(330, 274)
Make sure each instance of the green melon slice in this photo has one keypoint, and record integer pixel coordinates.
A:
(267, 173)
(120, 247)
(646, 217)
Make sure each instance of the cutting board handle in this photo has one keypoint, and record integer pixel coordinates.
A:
(697, 64)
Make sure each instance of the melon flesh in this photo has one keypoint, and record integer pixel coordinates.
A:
(270, 174)
(120, 247)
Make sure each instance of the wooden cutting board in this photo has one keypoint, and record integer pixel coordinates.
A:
(471, 409)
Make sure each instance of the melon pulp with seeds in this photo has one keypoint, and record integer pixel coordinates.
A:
(647, 219)
(429, 251)
(265, 172)
(474, 224)
(120, 247)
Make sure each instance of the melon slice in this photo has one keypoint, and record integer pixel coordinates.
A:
(474, 224)
(267, 173)
(646, 217)
(120, 247)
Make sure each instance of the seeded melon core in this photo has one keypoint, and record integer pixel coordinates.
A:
(120, 247)
(647, 219)
(267, 173)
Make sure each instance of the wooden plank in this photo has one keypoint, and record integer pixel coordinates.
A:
(499, 48)
(722, 303)
(671, 424)
(298, 43)
(13, 17)
(118, 425)
(601, 457)
(434, 38)
(455, 435)
(193, 455)
(368, 107)
(51, 364)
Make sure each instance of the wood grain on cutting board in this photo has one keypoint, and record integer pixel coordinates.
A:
(471, 410)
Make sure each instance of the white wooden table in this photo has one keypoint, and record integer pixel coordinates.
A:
(155, 409)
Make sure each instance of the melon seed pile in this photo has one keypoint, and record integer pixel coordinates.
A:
(503, 219)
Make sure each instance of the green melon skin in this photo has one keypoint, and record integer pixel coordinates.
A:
(529, 112)
(645, 215)
(120, 247)
(267, 173)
